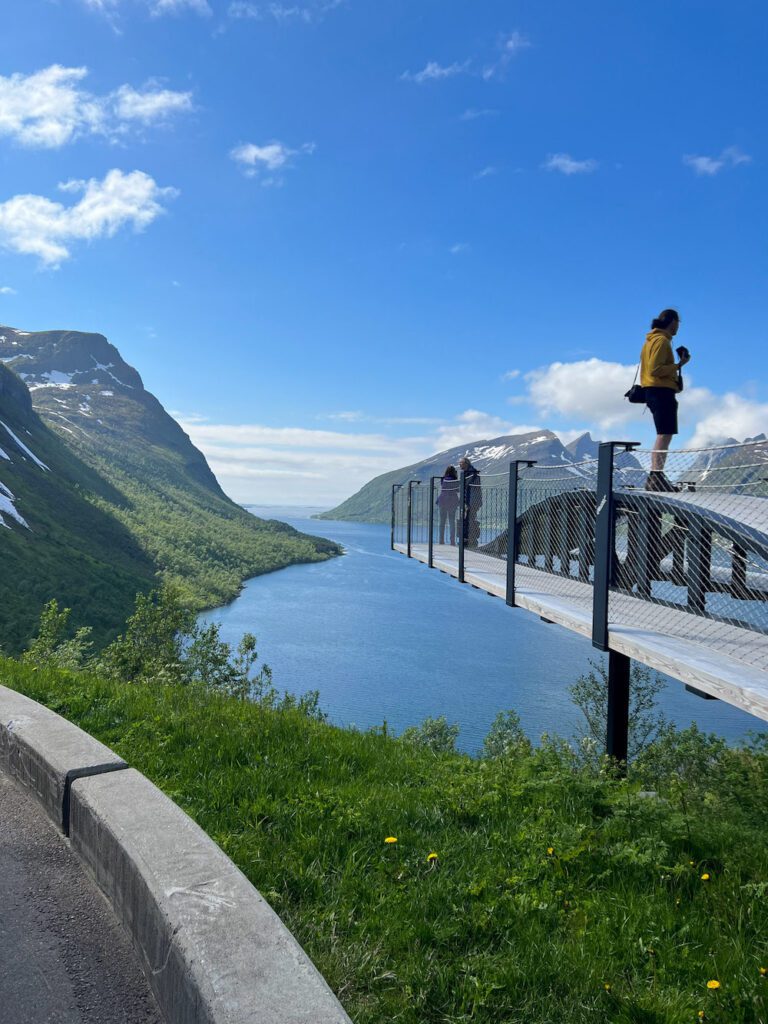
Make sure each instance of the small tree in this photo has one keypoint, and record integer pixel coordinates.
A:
(506, 737)
(151, 649)
(53, 646)
(646, 723)
(434, 733)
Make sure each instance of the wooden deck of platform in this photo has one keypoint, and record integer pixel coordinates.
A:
(721, 660)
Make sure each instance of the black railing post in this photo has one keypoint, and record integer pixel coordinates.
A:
(410, 517)
(617, 730)
(605, 529)
(513, 535)
(431, 541)
(699, 567)
(462, 520)
(395, 489)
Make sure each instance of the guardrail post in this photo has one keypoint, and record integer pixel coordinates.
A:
(699, 567)
(617, 731)
(462, 520)
(605, 530)
(409, 527)
(431, 540)
(395, 489)
(513, 535)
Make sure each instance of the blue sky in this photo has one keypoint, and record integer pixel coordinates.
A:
(335, 237)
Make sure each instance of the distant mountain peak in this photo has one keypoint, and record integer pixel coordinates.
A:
(62, 359)
(583, 447)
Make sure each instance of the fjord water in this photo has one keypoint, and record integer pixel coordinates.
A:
(383, 638)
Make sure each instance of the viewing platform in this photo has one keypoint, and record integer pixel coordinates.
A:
(677, 580)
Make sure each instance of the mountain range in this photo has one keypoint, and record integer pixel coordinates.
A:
(102, 493)
(372, 503)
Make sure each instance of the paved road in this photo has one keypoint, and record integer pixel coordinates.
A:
(64, 958)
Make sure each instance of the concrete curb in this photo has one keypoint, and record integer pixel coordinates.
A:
(213, 949)
(44, 752)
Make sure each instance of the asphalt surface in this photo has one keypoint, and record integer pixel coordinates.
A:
(64, 958)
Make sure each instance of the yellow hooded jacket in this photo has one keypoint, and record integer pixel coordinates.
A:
(657, 363)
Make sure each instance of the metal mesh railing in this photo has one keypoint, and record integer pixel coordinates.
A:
(485, 522)
(400, 514)
(691, 546)
(689, 531)
(556, 515)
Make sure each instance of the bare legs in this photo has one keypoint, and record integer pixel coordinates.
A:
(660, 449)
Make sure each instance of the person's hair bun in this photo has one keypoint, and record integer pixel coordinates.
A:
(665, 319)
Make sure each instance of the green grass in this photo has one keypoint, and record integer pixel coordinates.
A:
(549, 883)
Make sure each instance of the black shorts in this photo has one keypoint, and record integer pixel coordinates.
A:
(663, 405)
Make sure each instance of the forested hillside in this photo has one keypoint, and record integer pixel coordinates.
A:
(134, 471)
(57, 537)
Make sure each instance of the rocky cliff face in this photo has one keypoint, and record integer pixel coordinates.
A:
(80, 384)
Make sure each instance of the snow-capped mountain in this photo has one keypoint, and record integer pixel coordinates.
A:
(372, 502)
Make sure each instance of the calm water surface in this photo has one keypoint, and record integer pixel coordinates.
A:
(383, 638)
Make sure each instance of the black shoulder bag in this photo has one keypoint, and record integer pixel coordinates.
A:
(636, 394)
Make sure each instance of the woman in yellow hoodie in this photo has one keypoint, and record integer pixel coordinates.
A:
(660, 376)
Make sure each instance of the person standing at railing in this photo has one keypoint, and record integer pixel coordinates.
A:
(448, 503)
(473, 501)
(661, 379)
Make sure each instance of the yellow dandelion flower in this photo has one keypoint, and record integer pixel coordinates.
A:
(550, 850)
(702, 1015)
(391, 839)
(763, 971)
(691, 863)
(705, 877)
(607, 986)
(713, 984)
(431, 857)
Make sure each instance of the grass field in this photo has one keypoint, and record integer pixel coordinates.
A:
(519, 889)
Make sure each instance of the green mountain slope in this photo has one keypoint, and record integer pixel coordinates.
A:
(55, 539)
(146, 476)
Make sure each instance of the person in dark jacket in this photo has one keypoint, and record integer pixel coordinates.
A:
(472, 504)
(448, 502)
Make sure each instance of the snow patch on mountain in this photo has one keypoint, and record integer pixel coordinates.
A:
(24, 448)
(8, 508)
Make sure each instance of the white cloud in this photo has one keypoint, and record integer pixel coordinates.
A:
(510, 47)
(150, 106)
(307, 13)
(730, 415)
(510, 375)
(255, 463)
(474, 425)
(159, 7)
(486, 172)
(36, 225)
(50, 108)
(6, 290)
(588, 391)
(458, 248)
(434, 72)
(474, 114)
(270, 158)
(353, 416)
(155, 7)
(711, 165)
(565, 163)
